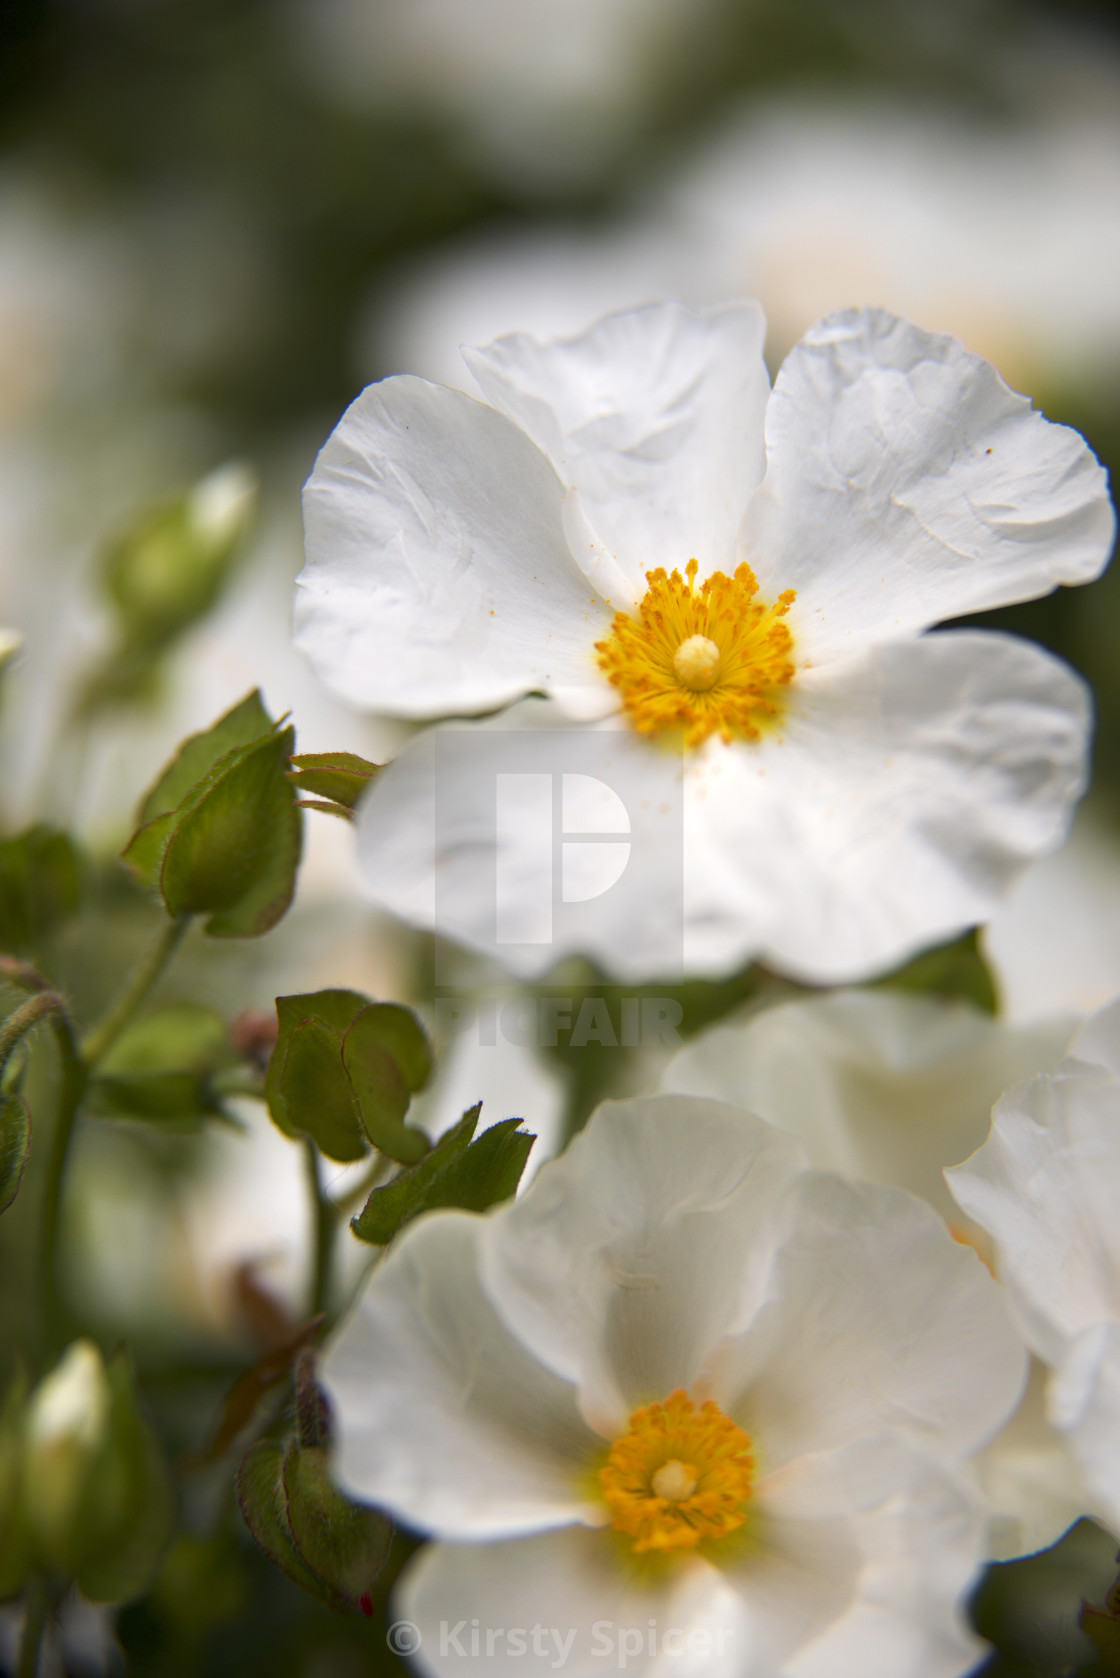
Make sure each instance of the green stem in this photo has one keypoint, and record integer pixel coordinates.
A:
(98, 1042)
(36, 1613)
(16, 1027)
(72, 1083)
(324, 1225)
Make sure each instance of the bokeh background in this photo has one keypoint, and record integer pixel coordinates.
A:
(218, 220)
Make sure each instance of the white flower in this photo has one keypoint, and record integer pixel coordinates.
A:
(681, 1385)
(853, 788)
(807, 203)
(894, 1088)
(1045, 1186)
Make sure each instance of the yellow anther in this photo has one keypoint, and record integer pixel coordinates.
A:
(702, 661)
(679, 1476)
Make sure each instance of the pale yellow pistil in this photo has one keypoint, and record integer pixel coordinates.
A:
(679, 1476)
(702, 661)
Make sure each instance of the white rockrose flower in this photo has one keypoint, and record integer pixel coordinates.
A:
(683, 1401)
(1044, 1186)
(893, 1088)
(639, 530)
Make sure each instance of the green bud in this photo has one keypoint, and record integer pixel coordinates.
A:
(221, 832)
(344, 1071)
(168, 570)
(65, 1428)
(94, 1494)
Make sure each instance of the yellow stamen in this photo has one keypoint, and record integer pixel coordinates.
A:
(678, 1476)
(707, 660)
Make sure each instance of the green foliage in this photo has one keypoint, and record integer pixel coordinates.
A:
(162, 1068)
(15, 1145)
(956, 971)
(331, 1548)
(459, 1172)
(344, 1071)
(41, 880)
(1030, 1609)
(221, 832)
(338, 780)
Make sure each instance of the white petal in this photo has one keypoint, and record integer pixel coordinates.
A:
(1045, 1186)
(639, 1247)
(875, 1318)
(1031, 1479)
(880, 1085)
(919, 1532)
(655, 416)
(561, 1602)
(1098, 1040)
(431, 851)
(1085, 1404)
(904, 794)
(906, 483)
(442, 1416)
(438, 576)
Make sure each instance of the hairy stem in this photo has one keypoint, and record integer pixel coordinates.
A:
(15, 1028)
(98, 1041)
(72, 1083)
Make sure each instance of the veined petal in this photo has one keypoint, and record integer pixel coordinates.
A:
(655, 416)
(875, 1317)
(438, 577)
(906, 483)
(443, 1417)
(1045, 1186)
(904, 794)
(562, 1602)
(633, 1253)
(879, 1085)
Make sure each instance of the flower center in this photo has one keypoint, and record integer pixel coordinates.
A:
(679, 1475)
(707, 660)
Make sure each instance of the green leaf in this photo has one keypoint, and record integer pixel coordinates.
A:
(182, 1037)
(389, 1208)
(471, 1175)
(488, 1172)
(386, 1054)
(124, 1520)
(236, 847)
(307, 1088)
(144, 851)
(177, 1100)
(41, 881)
(264, 1509)
(15, 1145)
(246, 722)
(341, 777)
(345, 1544)
(956, 971)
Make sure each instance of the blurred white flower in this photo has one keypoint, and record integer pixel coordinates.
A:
(1054, 942)
(1045, 1187)
(543, 92)
(1006, 234)
(668, 1389)
(874, 1084)
(853, 788)
(893, 1088)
